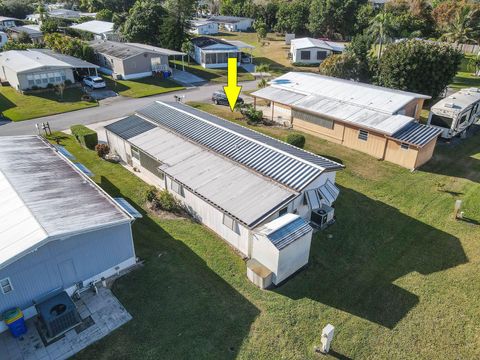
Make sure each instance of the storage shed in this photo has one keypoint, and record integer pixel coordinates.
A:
(379, 121)
(232, 179)
(59, 230)
(313, 51)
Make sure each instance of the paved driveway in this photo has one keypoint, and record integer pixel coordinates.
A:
(111, 108)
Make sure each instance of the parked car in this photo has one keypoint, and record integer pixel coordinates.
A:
(219, 98)
(95, 82)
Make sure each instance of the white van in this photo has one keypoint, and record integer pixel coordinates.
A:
(456, 113)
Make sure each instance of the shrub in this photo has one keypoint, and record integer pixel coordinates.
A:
(102, 149)
(150, 194)
(161, 199)
(253, 116)
(295, 139)
(85, 136)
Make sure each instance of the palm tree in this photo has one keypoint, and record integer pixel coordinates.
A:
(462, 30)
(382, 29)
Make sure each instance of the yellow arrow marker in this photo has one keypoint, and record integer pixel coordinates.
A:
(232, 90)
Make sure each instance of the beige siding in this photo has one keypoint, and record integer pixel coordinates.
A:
(425, 153)
(403, 157)
(334, 135)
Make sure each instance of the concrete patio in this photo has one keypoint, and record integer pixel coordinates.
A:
(101, 314)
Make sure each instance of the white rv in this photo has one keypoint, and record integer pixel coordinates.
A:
(456, 113)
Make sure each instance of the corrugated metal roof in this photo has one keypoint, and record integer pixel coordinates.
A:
(156, 49)
(281, 96)
(417, 134)
(279, 161)
(73, 61)
(130, 127)
(285, 230)
(228, 19)
(95, 26)
(245, 195)
(305, 43)
(116, 49)
(44, 198)
(23, 60)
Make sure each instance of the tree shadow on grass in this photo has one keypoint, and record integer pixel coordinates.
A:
(180, 307)
(354, 264)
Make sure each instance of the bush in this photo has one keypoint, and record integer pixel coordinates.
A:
(295, 139)
(161, 199)
(150, 194)
(253, 116)
(85, 136)
(102, 150)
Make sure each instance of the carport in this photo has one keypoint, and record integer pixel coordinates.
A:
(81, 68)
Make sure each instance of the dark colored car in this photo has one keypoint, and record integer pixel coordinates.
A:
(219, 98)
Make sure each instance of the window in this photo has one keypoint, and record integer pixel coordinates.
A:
(464, 119)
(304, 55)
(441, 121)
(283, 211)
(135, 153)
(230, 223)
(176, 187)
(363, 135)
(404, 146)
(326, 123)
(321, 55)
(6, 286)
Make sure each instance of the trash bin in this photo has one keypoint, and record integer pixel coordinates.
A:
(15, 322)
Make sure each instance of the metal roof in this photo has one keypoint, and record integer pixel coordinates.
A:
(205, 42)
(95, 26)
(285, 230)
(70, 60)
(156, 49)
(239, 44)
(455, 103)
(116, 49)
(286, 164)
(45, 198)
(306, 43)
(23, 60)
(281, 96)
(245, 195)
(130, 127)
(228, 19)
(32, 32)
(417, 134)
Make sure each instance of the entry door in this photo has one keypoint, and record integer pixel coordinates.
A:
(68, 273)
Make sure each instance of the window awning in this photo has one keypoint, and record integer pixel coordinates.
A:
(328, 192)
(125, 205)
(83, 169)
(64, 152)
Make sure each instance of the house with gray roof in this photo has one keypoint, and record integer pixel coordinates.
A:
(232, 179)
(60, 232)
(233, 23)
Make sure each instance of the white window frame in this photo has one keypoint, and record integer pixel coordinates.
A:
(177, 188)
(230, 223)
(363, 135)
(135, 153)
(8, 284)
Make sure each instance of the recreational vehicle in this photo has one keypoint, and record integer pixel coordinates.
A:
(456, 113)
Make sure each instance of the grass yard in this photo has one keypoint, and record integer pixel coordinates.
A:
(396, 275)
(214, 75)
(18, 107)
(466, 77)
(142, 87)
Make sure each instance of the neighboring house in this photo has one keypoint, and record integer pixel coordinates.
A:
(232, 179)
(33, 31)
(379, 121)
(203, 27)
(26, 69)
(313, 51)
(59, 231)
(131, 60)
(7, 23)
(99, 29)
(214, 53)
(233, 23)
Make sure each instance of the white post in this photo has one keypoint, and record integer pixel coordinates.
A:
(327, 337)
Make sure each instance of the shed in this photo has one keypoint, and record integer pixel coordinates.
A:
(59, 229)
(313, 51)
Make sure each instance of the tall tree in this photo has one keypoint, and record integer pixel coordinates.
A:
(144, 23)
(463, 29)
(382, 29)
(292, 17)
(332, 18)
(176, 25)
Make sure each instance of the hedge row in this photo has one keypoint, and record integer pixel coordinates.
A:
(85, 136)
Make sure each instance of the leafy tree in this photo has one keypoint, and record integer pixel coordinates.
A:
(361, 49)
(15, 45)
(419, 66)
(24, 38)
(411, 18)
(332, 18)
(292, 17)
(187, 47)
(344, 66)
(464, 28)
(261, 29)
(17, 8)
(49, 26)
(144, 22)
(104, 15)
(366, 12)
(382, 29)
(69, 46)
(176, 25)
(267, 13)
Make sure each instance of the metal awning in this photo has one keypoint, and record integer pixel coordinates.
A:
(83, 169)
(125, 205)
(64, 152)
(328, 192)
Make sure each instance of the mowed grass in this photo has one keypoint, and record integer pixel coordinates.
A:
(213, 75)
(396, 275)
(18, 107)
(466, 76)
(142, 87)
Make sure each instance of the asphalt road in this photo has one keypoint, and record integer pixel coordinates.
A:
(111, 108)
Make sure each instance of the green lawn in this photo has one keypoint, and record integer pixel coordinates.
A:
(466, 77)
(142, 87)
(215, 75)
(396, 275)
(18, 107)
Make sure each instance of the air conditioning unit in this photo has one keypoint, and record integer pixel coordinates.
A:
(58, 314)
(323, 216)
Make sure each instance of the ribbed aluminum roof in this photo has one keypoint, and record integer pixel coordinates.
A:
(288, 165)
(285, 97)
(417, 134)
(130, 126)
(285, 230)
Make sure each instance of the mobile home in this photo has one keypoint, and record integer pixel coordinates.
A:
(313, 51)
(456, 113)
(232, 179)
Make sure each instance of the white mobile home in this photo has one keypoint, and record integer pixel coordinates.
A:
(203, 27)
(59, 230)
(233, 23)
(232, 179)
(99, 29)
(313, 51)
(456, 113)
(214, 53)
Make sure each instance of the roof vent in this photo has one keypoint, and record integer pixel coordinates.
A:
(449, 105)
